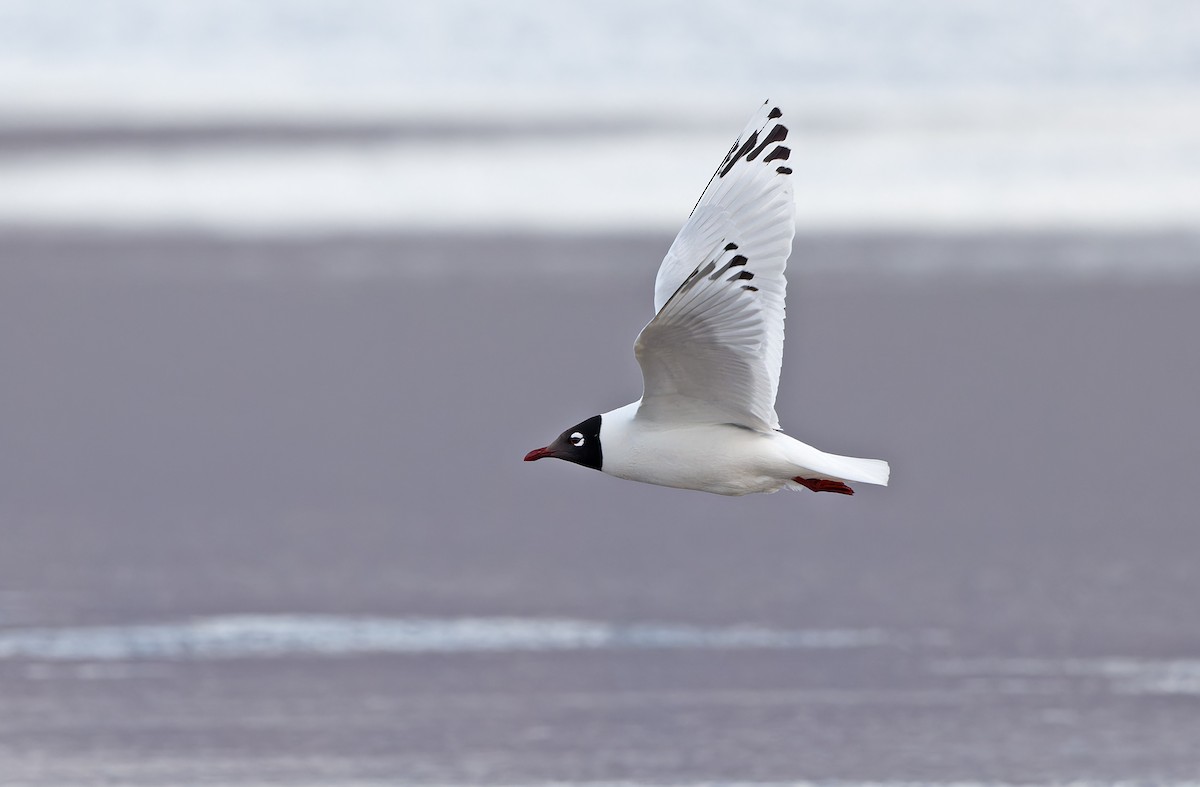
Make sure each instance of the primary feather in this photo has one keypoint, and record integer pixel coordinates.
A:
(715, 347)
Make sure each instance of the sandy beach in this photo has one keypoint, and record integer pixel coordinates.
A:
(325, 430)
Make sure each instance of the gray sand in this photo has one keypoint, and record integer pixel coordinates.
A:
(204, 427)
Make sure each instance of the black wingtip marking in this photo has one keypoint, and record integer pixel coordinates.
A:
(777, 134)
(730, 246)
(784, 170)
(780, 152)
(749, 287)
(774, 113)
(744, 275)
(749, 145)
(696, 275)
(737, 261)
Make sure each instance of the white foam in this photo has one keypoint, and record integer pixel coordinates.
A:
(1136, 169)
(1047, 116)
(557, 185)
(266, 636)
(1123, 675)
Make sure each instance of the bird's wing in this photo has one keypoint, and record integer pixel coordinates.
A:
(713, 351)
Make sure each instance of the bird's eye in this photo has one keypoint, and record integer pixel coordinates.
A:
(576, 439)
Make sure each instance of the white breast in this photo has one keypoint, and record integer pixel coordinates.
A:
(720, 458)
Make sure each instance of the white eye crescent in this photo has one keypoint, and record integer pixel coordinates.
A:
(576, 439)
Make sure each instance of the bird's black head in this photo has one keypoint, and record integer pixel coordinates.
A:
(579, 444)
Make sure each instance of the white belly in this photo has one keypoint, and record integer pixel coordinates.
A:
(720, 458)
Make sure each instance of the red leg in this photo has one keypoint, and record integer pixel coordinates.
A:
(822, 485)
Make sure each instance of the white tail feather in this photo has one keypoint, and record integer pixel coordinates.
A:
(851, 468)
(812, 463)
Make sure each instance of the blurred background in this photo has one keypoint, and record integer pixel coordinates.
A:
(277, 117)
(287, 289)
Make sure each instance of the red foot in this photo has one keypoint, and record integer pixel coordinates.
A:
(822, 485)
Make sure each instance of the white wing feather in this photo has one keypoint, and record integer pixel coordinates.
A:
(714, 349)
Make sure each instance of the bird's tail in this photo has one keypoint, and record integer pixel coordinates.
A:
(812, 463)
(852, 468)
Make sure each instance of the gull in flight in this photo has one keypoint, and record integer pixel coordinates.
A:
(711, 356)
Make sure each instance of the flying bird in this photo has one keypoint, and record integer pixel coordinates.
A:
(711, 356)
